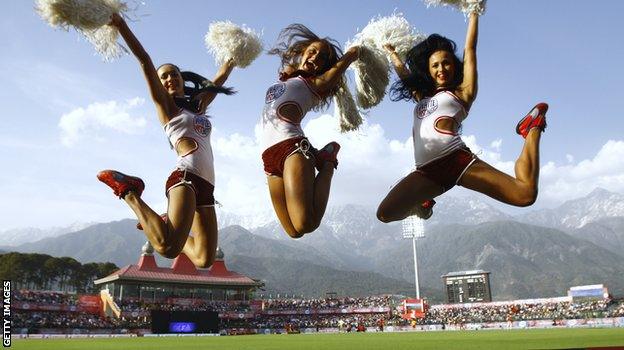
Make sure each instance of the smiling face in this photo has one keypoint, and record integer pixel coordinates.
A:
(171, 79)
(442, 68)
(314, 58)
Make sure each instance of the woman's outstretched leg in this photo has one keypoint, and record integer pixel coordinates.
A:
(278, 198)
(522, 190)
(300, 193)
(167, 238)
(202, 246)
(307, 213)
(406, 196)
(322, 187)
(326, 163)
(299, 198)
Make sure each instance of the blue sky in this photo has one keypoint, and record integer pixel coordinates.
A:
(68, 114)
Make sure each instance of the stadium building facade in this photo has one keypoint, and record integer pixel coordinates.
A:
(181, 283)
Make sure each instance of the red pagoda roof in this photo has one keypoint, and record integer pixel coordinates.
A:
(181, 271)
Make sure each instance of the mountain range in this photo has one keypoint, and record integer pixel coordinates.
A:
(14, 237)
(539, 254)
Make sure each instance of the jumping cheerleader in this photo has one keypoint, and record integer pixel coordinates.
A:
(444, 89)
(311, 70)
(190, 187)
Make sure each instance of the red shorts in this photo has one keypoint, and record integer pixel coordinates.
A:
(204, 190)
(275, 156)
(447, 170)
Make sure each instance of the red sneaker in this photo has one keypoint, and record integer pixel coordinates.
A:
(163, 216)
(535, 119)
(425, 210)
(329, 153)
(121, 183)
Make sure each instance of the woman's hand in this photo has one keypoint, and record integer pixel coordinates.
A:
(389, 48)
(230, 63)
(354, 52)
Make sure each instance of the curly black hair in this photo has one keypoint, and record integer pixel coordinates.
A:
(291, 44)
(420, 80)
(199, 85)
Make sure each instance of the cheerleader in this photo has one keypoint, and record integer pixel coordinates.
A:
(311, 71)
(190, 187)
(444, 88)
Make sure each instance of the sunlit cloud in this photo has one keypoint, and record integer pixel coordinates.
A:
(86, 123)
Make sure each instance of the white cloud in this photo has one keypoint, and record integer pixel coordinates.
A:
(496, 144)
(567, 181)
(241, 184)
(85, 123)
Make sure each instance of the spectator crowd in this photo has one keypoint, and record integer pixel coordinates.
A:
(295, 314)
(522, 312)
(327, 303)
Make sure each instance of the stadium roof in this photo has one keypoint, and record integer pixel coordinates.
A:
(182, 271)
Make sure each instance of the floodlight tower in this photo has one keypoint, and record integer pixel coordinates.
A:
(414, 228)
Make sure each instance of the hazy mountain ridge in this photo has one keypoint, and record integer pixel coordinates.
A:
(576, 213)
(604, 232)
(296, 277)
(525, 260)
(17, 236)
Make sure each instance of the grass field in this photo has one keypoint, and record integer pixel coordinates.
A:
(465, 340)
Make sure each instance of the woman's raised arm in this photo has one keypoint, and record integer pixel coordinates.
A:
(329, 79)
(467, 91)
(222, 75)
(164, 103)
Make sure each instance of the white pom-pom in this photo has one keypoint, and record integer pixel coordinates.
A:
(372, 69)
(345, 108)
(465, 6)
(393, 30)
(372, 76)
(227, 40)
(88, 17)
(105, 41)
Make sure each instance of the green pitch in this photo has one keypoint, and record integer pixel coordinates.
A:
(465, 340)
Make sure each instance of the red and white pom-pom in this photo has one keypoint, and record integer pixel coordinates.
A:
(345, 109)
(465, 6)
(88, 17)
(227, 40)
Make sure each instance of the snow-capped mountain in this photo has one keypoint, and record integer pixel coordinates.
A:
(464, 233)
(14, 237)
(577, 213)
(358, 223)
(469, 210)
(248, 221)
(352, 232)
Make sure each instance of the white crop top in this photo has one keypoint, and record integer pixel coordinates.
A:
(197, 127)
(430, 142)
(294, 96)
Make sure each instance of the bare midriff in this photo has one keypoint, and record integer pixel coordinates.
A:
(185, 146)
(447, 124)
(291, 112)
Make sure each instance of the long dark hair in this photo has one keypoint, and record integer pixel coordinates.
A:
(198, 84)
(292, 42)
(418, 63)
